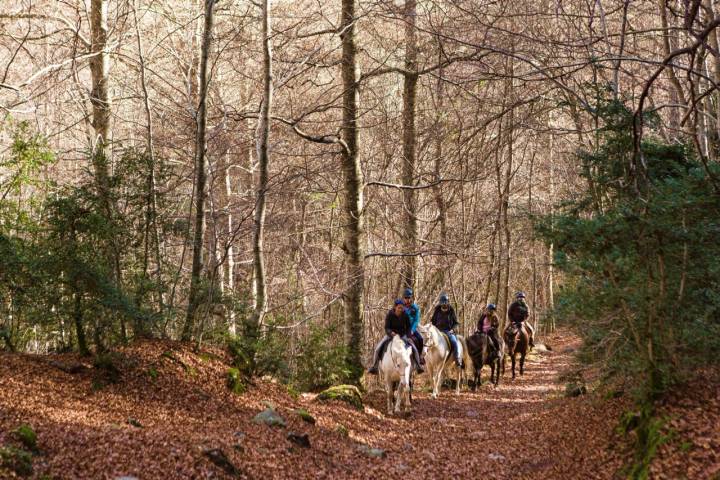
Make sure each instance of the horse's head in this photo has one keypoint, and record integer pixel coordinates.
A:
(427, 332)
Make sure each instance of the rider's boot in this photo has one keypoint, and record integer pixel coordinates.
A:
(373, 370)
(418, 361)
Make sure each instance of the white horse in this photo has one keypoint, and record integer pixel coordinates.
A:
(396, 370)
(438, 357)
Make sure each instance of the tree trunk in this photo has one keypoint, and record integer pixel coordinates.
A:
(410, 79)
(230, 260)
(200, 176)
(506, 191)
(152, 232)
(353, 186)
(263, 137)
(100, 96)
(551, 253)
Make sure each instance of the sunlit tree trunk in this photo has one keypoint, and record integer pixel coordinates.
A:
(353, 201)
(262, 145)
(410, 79)
(200, 176)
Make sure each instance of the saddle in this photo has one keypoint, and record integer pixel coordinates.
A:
(384, 347)
(474, 344)
(452, 347)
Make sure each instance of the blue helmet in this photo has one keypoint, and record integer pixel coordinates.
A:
(408, 293)
(444, 299)
(520, 295)
(491, 306)
(399, 302)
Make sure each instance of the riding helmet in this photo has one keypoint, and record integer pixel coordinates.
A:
(491, 306)
(399, 302)
(444, 299)
(408, 293)
(520, 295)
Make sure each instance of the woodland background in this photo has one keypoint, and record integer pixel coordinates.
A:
(272, 175)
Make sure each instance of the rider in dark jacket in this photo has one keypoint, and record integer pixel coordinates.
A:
(518, 313)
(397, 322)
(445, 320)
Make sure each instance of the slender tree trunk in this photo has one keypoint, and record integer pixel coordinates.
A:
(100, 100)
(230, 260)
(262, 145)
(438, 190)
(506, 191)
(410, 79)
(200, 176)
(152, 232)
(100, 96)
(353, 189)
(551, 247)
(676, 92)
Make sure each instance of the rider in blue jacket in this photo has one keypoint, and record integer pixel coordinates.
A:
(413, 311)
(445, 320)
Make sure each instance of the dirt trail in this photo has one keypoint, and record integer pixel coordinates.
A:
(172, 404)
(524, 428)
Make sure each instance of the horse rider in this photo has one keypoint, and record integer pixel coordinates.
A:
(397, 322)
(489, 324)
(445, 320)
(518, 313)
(413, 311)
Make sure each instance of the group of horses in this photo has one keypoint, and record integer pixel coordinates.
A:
(396, 366)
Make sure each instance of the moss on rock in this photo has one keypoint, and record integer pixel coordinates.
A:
(234, 381)
(346, 393)
(27, 436)
(305, 415)
(16, 460)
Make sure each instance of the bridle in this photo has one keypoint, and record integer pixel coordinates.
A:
(392, 356)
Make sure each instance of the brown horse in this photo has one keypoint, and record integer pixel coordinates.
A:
(516, 341)
(482, 353)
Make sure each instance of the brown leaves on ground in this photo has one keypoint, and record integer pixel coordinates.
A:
(182, 410)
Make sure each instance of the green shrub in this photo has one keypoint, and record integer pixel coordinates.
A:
(320, 362)
(16, 460)
(234, 381)
(258, 352)
(27, 437)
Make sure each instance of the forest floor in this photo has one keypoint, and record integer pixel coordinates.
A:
(169, 411)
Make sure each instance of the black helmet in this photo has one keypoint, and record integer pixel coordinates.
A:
(491, 307)
(408, 293)
(444, 299)
(520, 295)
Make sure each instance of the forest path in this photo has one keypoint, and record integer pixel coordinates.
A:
(170, 406)
(523, 428)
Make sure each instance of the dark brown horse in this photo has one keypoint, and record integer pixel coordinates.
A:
(482, 353)
(516, 341)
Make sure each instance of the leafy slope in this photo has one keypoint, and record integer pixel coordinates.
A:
(523, 429)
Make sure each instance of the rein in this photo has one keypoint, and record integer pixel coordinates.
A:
(392, 356)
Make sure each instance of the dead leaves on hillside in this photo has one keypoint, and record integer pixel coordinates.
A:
(191, 426)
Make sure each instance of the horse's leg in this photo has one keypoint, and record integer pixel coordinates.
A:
(522, 361)
(438, 381)
(512, 358)
(390, 394)
(457, 384)
(399, 396)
